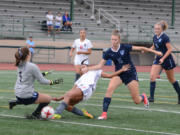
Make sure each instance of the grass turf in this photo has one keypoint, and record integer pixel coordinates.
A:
(124, 117)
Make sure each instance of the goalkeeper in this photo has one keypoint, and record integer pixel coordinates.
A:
(27, 73)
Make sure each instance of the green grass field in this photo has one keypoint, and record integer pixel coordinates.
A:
(124, 117)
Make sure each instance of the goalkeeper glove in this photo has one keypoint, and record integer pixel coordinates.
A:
(58, 81)
(47, 72)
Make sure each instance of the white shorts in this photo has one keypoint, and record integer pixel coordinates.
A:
(49, 23)
(87, 91)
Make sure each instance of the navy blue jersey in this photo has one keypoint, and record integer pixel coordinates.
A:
(120, 57)
(160, 43)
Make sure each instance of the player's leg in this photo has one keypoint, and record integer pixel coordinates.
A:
(113, 84)
(78, 72)
(71, 98)
(133, 87)
(43, 100)
(174, 82)
(153, 75)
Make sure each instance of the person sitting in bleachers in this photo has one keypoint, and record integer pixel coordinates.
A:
(67, 22)
(58, 21)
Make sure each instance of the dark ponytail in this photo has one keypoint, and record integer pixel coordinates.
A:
(21, 55)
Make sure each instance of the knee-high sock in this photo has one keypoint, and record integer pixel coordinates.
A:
(152, 89)
(176, 87)
(77, 111)
(106, 103)
(61, 107)
(39, 108)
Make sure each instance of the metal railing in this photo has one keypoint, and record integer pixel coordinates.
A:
(109, 17)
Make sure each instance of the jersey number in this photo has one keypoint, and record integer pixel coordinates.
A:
(20, 76)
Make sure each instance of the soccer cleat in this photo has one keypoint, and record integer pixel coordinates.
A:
(151, 99)
(178, 99)
(56, 116)
(12, 103)
(86, 114)
(103, 116)
(146, 101)
(33, 117)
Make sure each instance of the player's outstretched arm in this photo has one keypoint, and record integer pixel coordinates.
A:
(123, 69)
(58, 99)
(85, 69)
(137, 48)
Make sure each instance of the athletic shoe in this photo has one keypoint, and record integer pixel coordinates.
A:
(12, 103)
(33, 117)
(56, 116)
(103, 116)
(86, 114)
(151, 99)
(146, 101)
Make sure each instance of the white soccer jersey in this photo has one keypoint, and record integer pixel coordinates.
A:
(81, 46)
(49, 18)
(89, 79)
(58, 20)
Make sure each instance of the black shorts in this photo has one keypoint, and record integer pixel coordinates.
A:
(128, 77)
(168, 63)
(28, 101)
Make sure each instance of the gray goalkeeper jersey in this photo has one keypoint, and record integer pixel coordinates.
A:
(27, 74)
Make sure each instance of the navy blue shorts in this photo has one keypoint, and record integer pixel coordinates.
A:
(128, 77)
(28, 101)
(168, 63)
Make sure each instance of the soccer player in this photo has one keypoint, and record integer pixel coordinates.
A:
(83, 49)
(161, 42)
(120, 55)
(24, 87)
(82, 90)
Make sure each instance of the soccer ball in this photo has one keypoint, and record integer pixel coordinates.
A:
(47, 112)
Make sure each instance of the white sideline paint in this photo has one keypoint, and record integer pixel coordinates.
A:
(95, 125)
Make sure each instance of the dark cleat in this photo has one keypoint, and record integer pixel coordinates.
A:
(33, 117)
(12, 103)
(151, 99)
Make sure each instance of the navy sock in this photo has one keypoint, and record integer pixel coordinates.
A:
(152, 89)
(77, 77)
(176, 87)
(39, 108)
(106, 103)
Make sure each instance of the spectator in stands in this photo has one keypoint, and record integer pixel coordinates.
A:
(67, 22)
(49, 22)
(30, 44)
(58, 21)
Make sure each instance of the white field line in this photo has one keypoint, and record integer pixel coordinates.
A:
(99, 126)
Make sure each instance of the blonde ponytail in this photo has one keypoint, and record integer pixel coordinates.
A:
(163, 24)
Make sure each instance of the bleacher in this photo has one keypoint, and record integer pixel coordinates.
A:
(137, 17)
